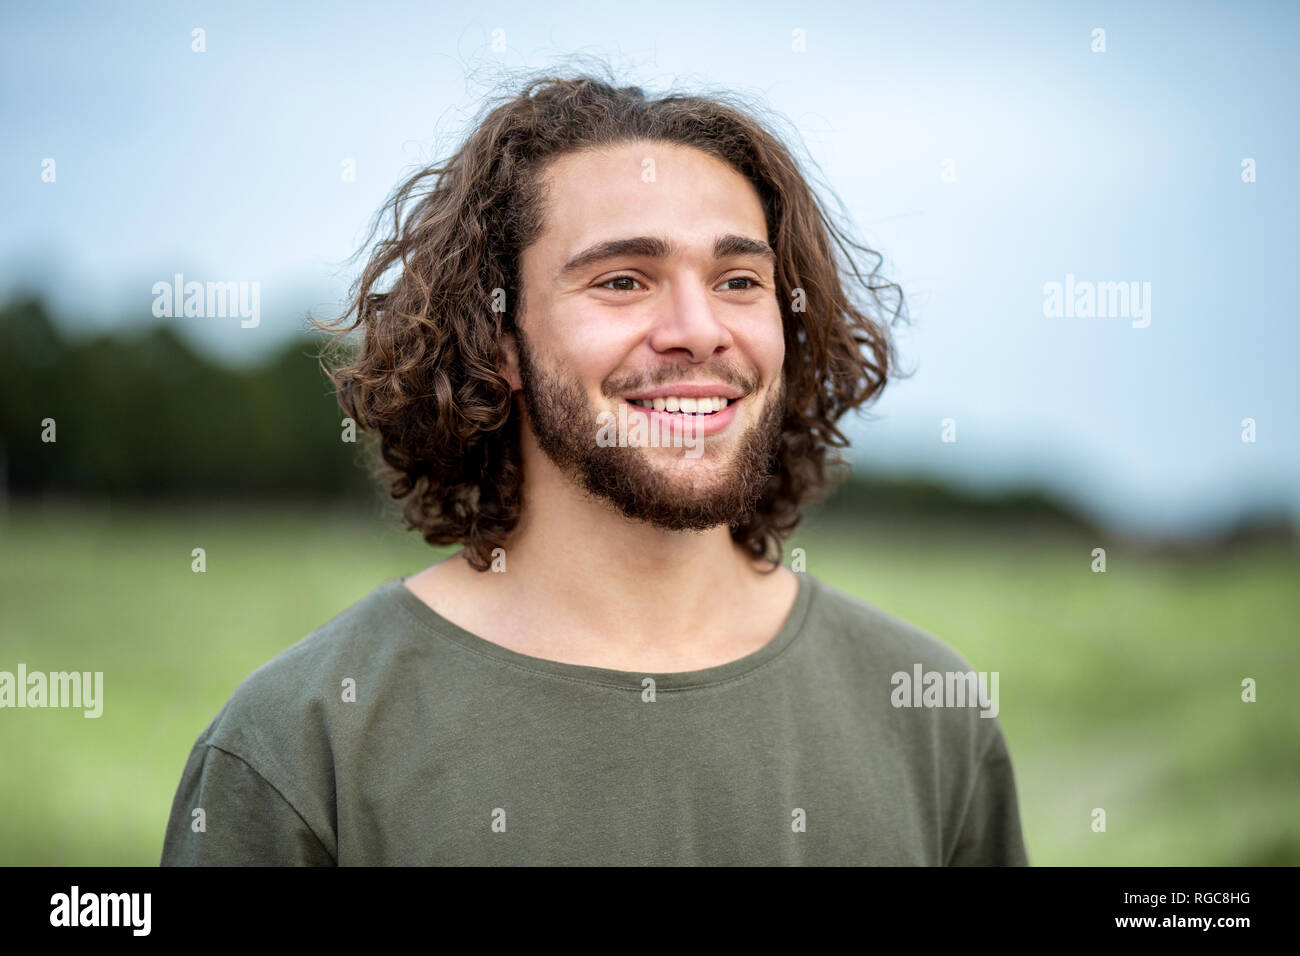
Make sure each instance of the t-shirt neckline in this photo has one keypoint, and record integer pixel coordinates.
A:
(790, 630)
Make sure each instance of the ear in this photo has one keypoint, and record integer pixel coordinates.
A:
(510, 349)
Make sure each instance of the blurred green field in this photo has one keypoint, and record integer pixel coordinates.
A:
(1117, 690)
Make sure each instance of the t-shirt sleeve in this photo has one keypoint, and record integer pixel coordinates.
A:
(990, 833)
(246, 821)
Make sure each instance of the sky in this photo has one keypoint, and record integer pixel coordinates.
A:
(985, 150)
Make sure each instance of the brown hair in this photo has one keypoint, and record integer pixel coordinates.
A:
(427, 381)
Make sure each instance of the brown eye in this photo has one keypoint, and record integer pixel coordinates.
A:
(605, 284)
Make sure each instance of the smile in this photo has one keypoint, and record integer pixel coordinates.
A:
(683, 406)
(709, 416)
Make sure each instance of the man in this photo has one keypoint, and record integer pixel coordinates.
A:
(610, 367)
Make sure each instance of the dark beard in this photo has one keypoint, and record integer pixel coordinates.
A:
(565, 426)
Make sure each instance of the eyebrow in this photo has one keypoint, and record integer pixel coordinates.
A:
(654, 247)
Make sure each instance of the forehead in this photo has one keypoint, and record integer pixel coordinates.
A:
(642, 188)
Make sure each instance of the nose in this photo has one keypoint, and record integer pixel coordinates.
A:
(691, 320)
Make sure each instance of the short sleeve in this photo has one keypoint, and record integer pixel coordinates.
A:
(990, 833)
(245, 820)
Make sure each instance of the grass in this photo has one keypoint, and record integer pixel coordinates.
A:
(1119, 691)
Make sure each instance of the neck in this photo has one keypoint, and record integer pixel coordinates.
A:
(628, 580)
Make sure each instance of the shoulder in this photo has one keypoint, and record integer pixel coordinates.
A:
(905, 678)
(879, 638)
(934, 715)
(279, 738)
(285, 711)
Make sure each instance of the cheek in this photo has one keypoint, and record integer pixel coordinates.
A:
(767, 350)
(591, 353)
(775, 356)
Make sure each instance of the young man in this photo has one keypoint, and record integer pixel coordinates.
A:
(610, 367)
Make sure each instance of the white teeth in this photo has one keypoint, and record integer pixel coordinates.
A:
(697, 406)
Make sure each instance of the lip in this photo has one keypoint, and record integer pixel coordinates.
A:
(694, 426)
(687, 391)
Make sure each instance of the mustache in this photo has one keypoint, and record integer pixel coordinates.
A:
(745, 385)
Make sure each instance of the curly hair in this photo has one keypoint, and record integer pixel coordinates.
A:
(427, 382)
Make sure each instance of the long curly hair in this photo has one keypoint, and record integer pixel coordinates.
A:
(427, 383)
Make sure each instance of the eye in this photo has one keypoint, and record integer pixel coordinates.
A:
(606, 283)
(753, 283)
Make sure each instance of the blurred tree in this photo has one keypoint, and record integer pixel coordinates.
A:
(144, 415)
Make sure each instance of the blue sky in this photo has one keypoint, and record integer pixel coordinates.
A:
(1115, 166)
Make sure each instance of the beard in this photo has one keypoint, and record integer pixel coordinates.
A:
(627, 478)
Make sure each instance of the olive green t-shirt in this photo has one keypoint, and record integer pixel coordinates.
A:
(392, 736)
